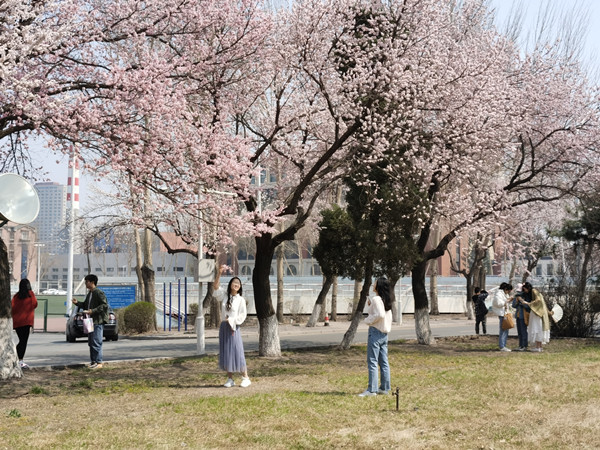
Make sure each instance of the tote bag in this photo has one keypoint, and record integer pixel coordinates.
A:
(88, 324)
(508, 322)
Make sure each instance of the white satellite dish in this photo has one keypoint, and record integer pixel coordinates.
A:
(19, 202)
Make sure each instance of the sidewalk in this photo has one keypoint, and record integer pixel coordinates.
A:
(288, 329)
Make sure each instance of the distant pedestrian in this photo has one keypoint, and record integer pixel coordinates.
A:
(379, 320)
(499, 307)
(233, 314)
(522, 313)
(23, 308)
(481, 309)
(96, 306)
(539, 320)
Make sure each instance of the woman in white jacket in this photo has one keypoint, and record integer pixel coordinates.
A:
(499, 305)
(379, 320)
(233, 314)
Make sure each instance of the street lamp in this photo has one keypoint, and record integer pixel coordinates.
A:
(38, 245)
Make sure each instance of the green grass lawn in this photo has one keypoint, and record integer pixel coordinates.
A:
(461, 393)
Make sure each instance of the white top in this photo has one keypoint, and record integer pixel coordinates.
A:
(378, 317)
(237, 314)
(499, 303)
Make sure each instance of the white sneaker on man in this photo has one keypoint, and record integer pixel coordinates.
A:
(229, 383)
(505, 349)
(245, 382)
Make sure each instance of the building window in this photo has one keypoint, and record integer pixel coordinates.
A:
(316, 269)
(54, 269)
(550, 270)
(246, 270)
(291, 270)
(177, 269)
(98, 269)
(538, 271)
(110, 269)
(159, 269)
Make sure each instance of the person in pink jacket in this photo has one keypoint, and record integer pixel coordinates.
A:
(23, 308)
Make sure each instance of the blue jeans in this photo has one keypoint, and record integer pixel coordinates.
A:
(377, 354)
(95, 343)
(522, 330)
(502, 334)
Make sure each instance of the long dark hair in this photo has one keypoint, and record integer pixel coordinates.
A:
(506, 287)
(382, 286)
(24, 288)
(228, 304)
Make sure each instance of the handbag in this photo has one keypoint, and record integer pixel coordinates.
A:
(526, 317)
(88, 324)
(508, 322)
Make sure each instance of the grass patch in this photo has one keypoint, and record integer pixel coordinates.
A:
(461, 393)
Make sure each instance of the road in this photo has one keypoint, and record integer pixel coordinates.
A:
(52, 350)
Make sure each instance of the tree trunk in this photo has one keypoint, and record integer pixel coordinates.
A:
(334, 293)
(9, 362)
(583, 273)
(433, 290)
(148, 269)
(356, 296)
(321, 300)
(513, 268)
(395, 312)
(422, 326)
(357, 315)
(268, 344)
(469, 304)
(279, 253)
(138, 267)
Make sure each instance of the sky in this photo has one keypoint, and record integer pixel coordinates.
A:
(56, 165)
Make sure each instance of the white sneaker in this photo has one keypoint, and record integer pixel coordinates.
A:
(245, 382)
(505, 349)
(229, 383)
(367, 393)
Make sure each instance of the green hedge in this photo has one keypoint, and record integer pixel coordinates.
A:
(139, 317)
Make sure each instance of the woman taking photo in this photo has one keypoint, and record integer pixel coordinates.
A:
(538, 329)
(379, 320)
(23, 306)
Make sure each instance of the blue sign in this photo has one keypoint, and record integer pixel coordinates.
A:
(119, 296)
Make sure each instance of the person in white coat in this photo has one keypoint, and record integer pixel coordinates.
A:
(379, 320)
(233, 314)
(500, 304)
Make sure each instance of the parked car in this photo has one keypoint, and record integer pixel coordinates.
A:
(54, 292)
(74, 328)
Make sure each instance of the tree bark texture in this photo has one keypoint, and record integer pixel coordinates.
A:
(268, 344)
(9, 362)
(280, 299)
(334, 294)
(320, 303)
(422, 326)
(395, 312)
(433, 290)
(357, 315)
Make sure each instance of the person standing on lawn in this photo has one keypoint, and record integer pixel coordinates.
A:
(538, 329)
(233, 314)
(499, 306)
(96, 306)
(481, 310)
(23, 306)
(379, 320)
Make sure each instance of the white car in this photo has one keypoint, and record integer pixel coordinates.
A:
(54, 292)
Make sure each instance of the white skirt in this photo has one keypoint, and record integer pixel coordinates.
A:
(535, 331)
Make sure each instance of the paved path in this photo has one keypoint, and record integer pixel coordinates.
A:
(52, 350)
